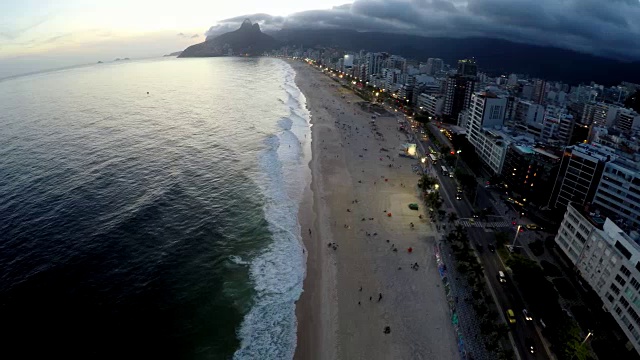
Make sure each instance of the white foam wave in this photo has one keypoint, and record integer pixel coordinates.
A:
(269, 329)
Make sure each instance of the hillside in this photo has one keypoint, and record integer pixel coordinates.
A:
(494, 56)
(247, 40)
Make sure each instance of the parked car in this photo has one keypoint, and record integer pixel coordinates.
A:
(491, 248)
(511, 316)
(501, 277)
(526, 315)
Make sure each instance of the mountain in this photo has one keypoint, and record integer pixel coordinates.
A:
(494, 56)
(247, 40)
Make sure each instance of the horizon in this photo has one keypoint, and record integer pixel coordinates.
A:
(40, 36)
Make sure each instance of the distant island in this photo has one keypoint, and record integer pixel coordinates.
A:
(118, 59)
(248, 40)
(177, 53)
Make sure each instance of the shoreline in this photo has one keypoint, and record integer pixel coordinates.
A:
(359, 277)
(318, 281)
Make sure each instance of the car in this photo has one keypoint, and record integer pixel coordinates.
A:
(475, 216)
(530, 345)
(511, 316)
(501, 277)
(526, 315)
(451, 175)
(531, 226)
(491, 248)
(458, 196)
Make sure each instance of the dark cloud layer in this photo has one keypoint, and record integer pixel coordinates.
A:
(609, 28)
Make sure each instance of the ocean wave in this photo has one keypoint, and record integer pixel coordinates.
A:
(268, 331)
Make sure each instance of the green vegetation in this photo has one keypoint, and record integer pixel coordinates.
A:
(468, 266)
(537, 247)
(502, 238)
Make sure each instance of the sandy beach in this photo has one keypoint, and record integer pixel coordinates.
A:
(356, 283)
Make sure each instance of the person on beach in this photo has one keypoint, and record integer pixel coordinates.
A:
(379, 297)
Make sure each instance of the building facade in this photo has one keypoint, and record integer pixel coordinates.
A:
(608, 259)
(580, 171)
(530, 172)
(457, 94)
(618, 192)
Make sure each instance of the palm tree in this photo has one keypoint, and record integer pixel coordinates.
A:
(453, 217)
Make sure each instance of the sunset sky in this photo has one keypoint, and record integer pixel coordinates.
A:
(37, 34)
(62, 33)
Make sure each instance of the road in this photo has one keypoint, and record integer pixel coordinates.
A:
(507, 295)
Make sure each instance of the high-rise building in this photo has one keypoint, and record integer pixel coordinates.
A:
(467, 67)
(373, 61)
(557, 125)
(513, 80)
(434, 66)
(627, 119)
(580, 172)
(527, 112)
(397, 62)
(457, 95)
(618, 192)
(588, 113)
(432, 104)
(487, 110)
(539, 91)
(605, 114)
(608, 259)
(530, 172)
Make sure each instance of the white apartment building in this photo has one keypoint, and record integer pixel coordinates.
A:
(431, 103)
(434, 66)
(527, 112)
(487, 111)
(627, 119)
(604, 114)
(557, 125)
(391, 78)
(373, 62)
(619, 191)
(608, 259)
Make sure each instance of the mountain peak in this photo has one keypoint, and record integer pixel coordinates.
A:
(246, 24)
(247, 40)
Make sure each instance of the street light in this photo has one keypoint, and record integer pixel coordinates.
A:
(587, 337)
(458, 157)
(516, 237)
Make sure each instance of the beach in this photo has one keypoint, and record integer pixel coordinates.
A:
(364, 297)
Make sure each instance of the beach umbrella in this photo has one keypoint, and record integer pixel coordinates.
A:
(389, 214)
(410, 249)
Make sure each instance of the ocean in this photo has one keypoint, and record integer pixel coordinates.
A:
(148, 209)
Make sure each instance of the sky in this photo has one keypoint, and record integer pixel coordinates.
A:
(42, 33)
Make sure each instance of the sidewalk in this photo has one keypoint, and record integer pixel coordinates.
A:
(463, 316)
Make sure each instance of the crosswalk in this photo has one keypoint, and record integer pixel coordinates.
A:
(483, 224)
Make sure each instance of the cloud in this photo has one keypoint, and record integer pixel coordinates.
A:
(608, 28)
